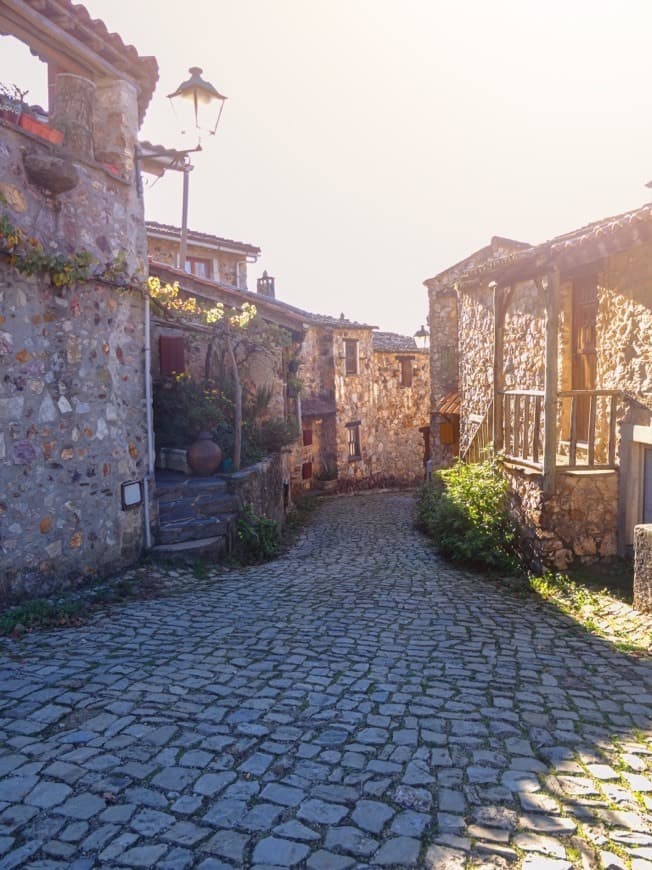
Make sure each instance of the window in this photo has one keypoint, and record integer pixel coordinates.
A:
(241, 275)
(353, 440)
(306, 471)
(199, 266)
(351, 356)
(171, 355)
(307, 437)
(406, 370)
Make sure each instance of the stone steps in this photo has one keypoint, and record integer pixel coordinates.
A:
(190, 551)
(205, 505)
(194, 528)
(197, 517)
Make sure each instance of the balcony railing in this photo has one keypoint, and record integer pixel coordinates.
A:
(521, 420)
(585, 434)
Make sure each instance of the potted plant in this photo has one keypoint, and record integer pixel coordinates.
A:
(37, 127)
(11, 103)
(295, 385)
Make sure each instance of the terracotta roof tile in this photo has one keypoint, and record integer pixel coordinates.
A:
(393, 342)
(316, 406)
(75, 20)
(196, 236)
(449, 404)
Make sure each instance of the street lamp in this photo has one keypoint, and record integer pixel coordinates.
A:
(196, 100)
(201, 104)
(422, 336)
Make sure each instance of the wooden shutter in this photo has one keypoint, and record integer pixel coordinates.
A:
(171, 354)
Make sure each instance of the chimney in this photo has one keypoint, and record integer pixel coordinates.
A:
(265, 286)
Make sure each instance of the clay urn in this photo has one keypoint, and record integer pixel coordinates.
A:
(204, 455)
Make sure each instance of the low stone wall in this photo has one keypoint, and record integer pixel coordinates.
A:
(262, 486)
(643, 568)
(577, 522)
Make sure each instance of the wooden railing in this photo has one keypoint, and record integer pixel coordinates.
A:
(481, 444)
(521, 421)
(587, 434)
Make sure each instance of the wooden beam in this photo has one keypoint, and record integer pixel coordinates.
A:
(52, 43)
(500, 306)
(551, 295)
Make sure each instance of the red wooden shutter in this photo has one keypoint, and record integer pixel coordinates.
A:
(171, 354)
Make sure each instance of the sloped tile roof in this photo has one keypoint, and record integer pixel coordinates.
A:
(195, 236)
(393, 342)
(591, 242)
(77, 22)
(449, 404)
(316, 406)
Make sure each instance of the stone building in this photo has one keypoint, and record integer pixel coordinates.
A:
(546, 355)
(223, 261)
(364, 406)
(359, 396)
(73, 433)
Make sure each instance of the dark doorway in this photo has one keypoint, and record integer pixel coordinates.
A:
(647, 485)
(584, 318)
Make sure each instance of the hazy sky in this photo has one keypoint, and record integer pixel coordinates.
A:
(368, 144)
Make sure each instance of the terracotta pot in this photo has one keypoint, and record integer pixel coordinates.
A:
(43, 131)
(204, 456)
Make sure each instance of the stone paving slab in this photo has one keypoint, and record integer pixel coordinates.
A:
(358, 703)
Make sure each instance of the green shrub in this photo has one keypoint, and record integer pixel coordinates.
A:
(277, 433)
(258, 538)
(465, 511)
(184, 407)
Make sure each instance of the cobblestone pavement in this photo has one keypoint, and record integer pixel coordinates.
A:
(356, 704)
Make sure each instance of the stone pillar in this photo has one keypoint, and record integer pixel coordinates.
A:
(643, 568)
(444, 369)
(116, 124)
(74, 98)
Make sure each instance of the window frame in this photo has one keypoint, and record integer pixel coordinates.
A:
(351, 356)
(206, 262)
(407, 374)
(353, 441)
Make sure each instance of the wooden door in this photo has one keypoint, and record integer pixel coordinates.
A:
(584, 351)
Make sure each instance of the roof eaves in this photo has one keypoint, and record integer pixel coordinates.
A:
(169, 231)
(92, 35)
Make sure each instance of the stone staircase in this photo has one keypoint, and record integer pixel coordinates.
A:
(197, 517)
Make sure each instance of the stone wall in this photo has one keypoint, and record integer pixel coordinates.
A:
(389, 415)
(264, 487)
(476, 328)
(400, 413)
(524, 341)
(444, 367)
(577, 522)
(643, 568)
(624, 329)
(72, 382)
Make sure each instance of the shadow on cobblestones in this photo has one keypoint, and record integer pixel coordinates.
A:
(357, 703)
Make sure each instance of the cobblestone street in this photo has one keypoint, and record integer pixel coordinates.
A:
(358, 703)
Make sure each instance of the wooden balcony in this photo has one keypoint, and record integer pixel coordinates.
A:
(584, 432)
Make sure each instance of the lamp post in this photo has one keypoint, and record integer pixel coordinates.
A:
(422, 336)
(198, 104)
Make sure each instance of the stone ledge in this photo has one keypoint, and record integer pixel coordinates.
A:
(643, 568)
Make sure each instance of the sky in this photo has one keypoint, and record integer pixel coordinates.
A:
(368, 144)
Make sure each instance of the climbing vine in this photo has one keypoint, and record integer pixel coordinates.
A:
(29, 257)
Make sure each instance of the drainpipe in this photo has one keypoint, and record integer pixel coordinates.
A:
(149, 476)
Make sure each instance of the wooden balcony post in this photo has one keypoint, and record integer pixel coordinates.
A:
(499, 379)
(551, 381)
